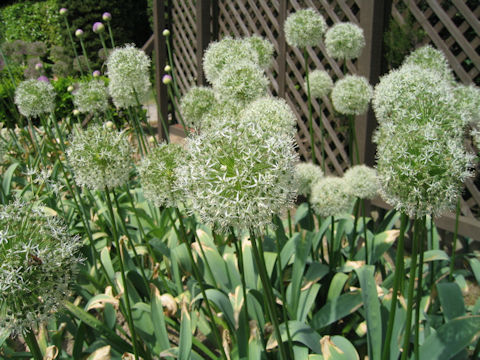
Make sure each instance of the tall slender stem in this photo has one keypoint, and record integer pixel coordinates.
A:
(310, 110)
(362, 202)
(84, 50)
(111, 34)
(396, 285)
(455, 237)
(419, 289)
(411, 288)
(32, 343)
(73, 45)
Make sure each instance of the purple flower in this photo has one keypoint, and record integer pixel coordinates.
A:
(106, 16)
(96, 73)
(38, 66)
(43, 78)
(63, 11)
(79, 33)
(98, 27)
(166, 79)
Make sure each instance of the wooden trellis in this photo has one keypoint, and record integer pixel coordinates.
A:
(451, 26)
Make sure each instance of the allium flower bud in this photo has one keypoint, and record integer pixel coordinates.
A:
(35, 97)
(330, 197)
(91, 97)
(96, 73)
(167, 68)
(306, 176)
(344, 41)
(197, 102)
(75, 112)
(38, 265)
(43, 78)
(79, 33)
(70, 88)
(351, 95)
(128, 71)
(100, 157)
(166, 79)
(158, 176)
(421, 160)
(273, 115)
(98, 27)
(226, 52)
(109, 125)
(304, 28)
(362, 182)
(38, 66)
(427, 57)
(320, 83)
(166, 32)
(236, 177)
(263, 48)
(241, 82)
(63, 11)
(106, 16)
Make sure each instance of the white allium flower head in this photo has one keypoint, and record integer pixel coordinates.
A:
(224, 113)
(100, 157)
(305, 28)
(38, 265)
(421, 160)
(263, 48)
(273, 115)
(241, 82)
(91, 97)
(197, 102)
(428, 57)
(330, 197)
(351, 95)
(320, 83)
(468, 101)
(225, 52)
(344, 41)
(306, 176)
(34, 98)
(128, 72)
(238, 177)
(158, 175)
(362, 181)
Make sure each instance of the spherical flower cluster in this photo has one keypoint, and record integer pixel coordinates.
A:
(344, 41)
(63, 11)
(34, 98)
(158, 176)
(128, 71)
(79, 33)
(226, 52)
(106, 16)
(241, 82)
(223, 113)
(91, 97)
(421, 160)
(167, 79)
(362, 182)
(197, 102)
(320, 83)
(263, 48)
(306, 176)
(468, 101)
(38, 265)
(428, 57)
(100, 157)
(351, 95)
(304, 28)
(237, 177)
(98, 27)
(96, 73)
(273, 115)
(330, 197)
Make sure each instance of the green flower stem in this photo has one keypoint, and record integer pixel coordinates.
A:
(170, 60)
(207, 264)
(411, 288)
(104, 45)
(267, 286)
(196, 274)
(333, 247)
(353, 144)
(455, 237)
(362, 204)
(132, 245)
(122, 273)
(354, 232)
(73, 45)
(396, 285)
(310, 112)
(290, 231)
(86, 56)
(419, 289)
(177, 110)
(138, 132)
(111, 34)
(32, 343)
(163, 121)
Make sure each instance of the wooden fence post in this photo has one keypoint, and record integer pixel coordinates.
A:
(282, 49)
(203, 24)
(160, 47)
(374, 17)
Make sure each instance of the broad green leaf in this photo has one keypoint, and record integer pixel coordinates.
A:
(451, 299)
(79, 338)
(371, 304)
(338, 348)
(451, 338)
(336, 286)
(288, 250)
(475, 265)
(185, 345)
(337, 309)
(160, 328)
(307, 299)
(222, 302)
(7, 178)
(299, 332)
(302, 250)
(107, 263)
